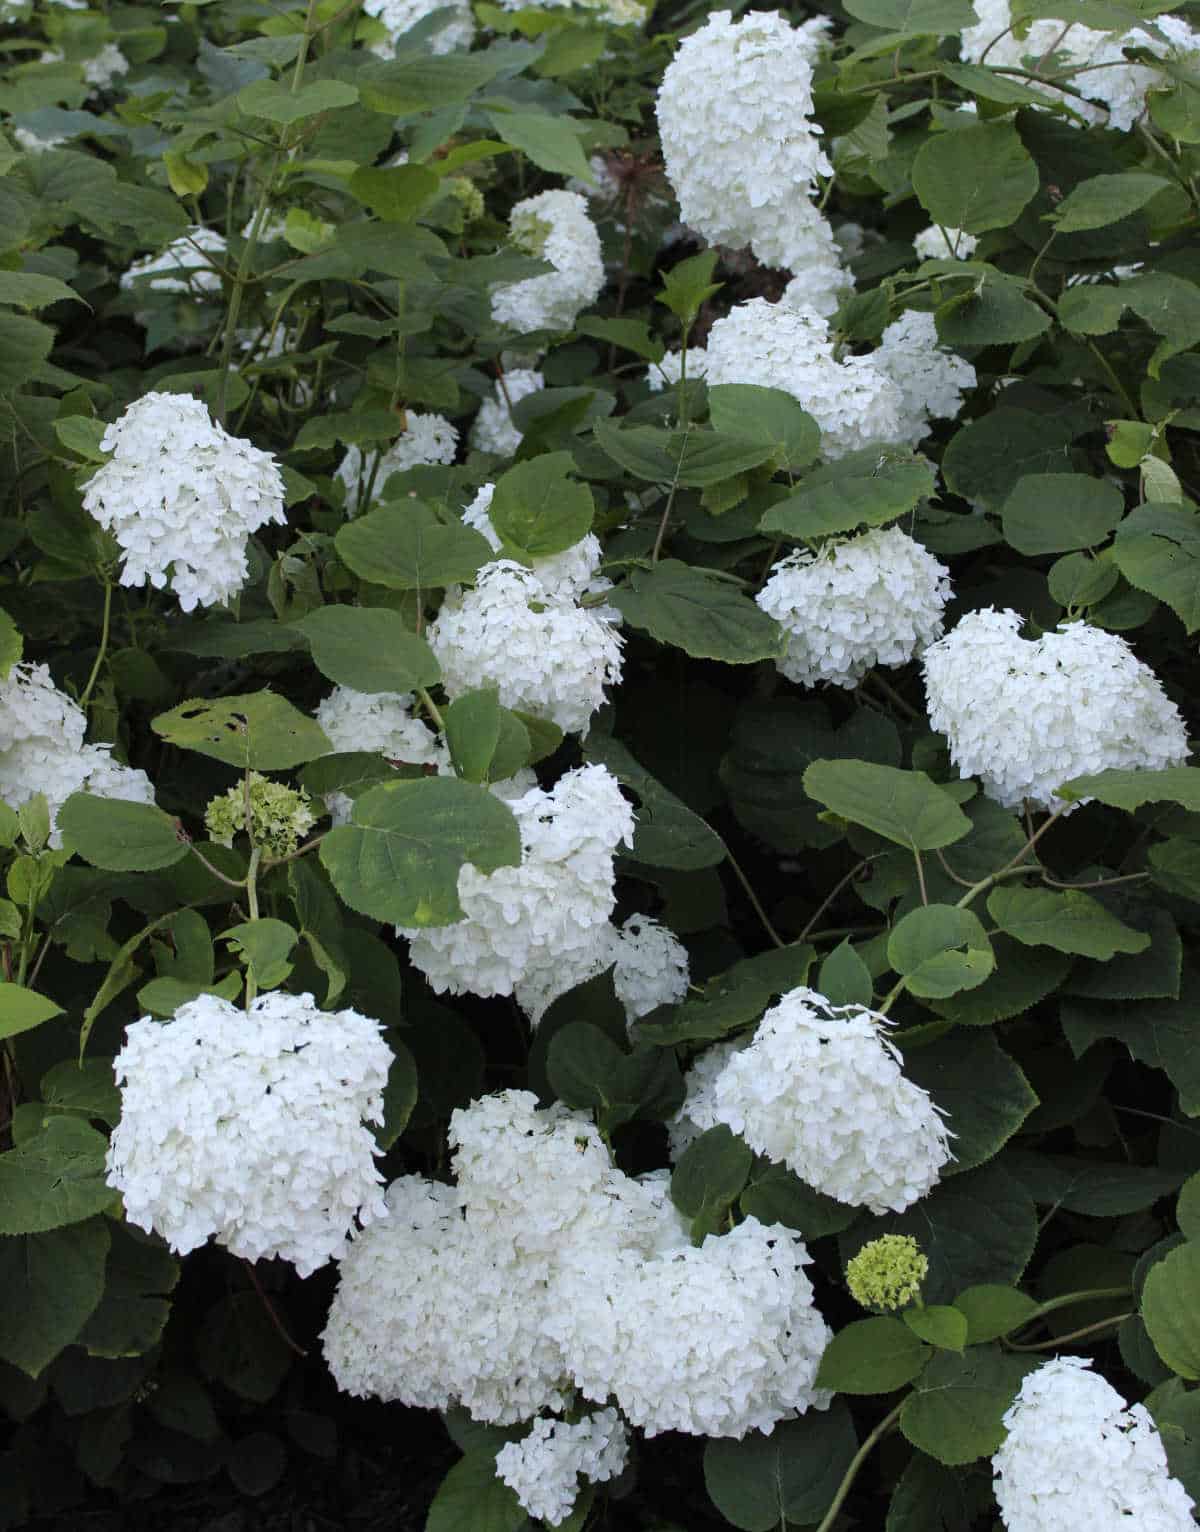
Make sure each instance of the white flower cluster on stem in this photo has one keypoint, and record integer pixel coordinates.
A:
(42, 749)
(425, 439)
(543, 1469)
(555, 227)
(931, 380)
(546, 1271)
(181, 267)
(249, 1126)
(182, 496)
(492, 429)
(1076, 1455)
(1027, 715)
(821, 1090)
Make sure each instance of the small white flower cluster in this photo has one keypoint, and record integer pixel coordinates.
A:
(249, 1126)
(937, 243)
(555, 227)
(34, 143)
(181, 496)
(547, 1270)
(669, 371)
(1025, 716)
(492, 429)
(1076, 1455)
(103, 68)
(398, 16)
(543, 1469)
(617, 12)
(426, 439)
(651, 967)
(543, 926)
(875, 599)
(545, 654)
(42, 749)
(931, 380)
(567, 575)
(739, 144)
(181, 267)
(821, 1090)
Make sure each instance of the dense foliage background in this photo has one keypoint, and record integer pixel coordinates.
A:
(1057, 1031)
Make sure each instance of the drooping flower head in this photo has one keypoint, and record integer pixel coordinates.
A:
(555, 227)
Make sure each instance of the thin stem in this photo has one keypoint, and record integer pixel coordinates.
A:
(893, 696)
(1072, 1335)
(921, 876)
(1129, 877)
(1119, 387)
(754, 899)
(431, 708)
(103, 649)
(252, 904)
(836, 890)
(216, 872)
(270, 1308)
(856, 1462)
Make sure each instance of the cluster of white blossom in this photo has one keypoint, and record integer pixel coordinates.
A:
(249, 1126)
(1076, 1455)
(1026, 715)
(930, 379)
(651, 967)
(398, 16)
(567, 575)
(815, 254)
(555, 227)
(547, 1271)
(541, 927)
(492, 429)
(821, 1090)
(181, 267)
(543, 1469)
(42, 749)
(104, 67)
(875, 599)
(36, 143)
(668, 371)
(181, 496)
(941, 244)
(545, 654)
(616, 12)
(425, 439)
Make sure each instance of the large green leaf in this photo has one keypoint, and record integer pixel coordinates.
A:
(1171, 1308)
(260, 730)
(695, 458)
(940, 949)
(952, 186)
(277, 102)
(915, 18)
(24, 345)
(1131, 789)
(398, 859)
(776, 1195)
(408, 547)
(550, 142)
(472, 1499)
(988, 455)
(760, 1483)
(666, 832)
(992, 311)
(538, 510)
(52, 1283)
(55, 1177)
(586, 1069)
(120, 836)
(904, 806)
(1158, 550)
(955, 1412)
(139, 1277)
(933, 1498)
(1058, 512)
(766, 415)
(1067, 920)
(982, 1091)
(1101, 200)
(872, 1356)
(698, 612)
(710, 1174)
(369, 649)
(1160, 1033)
(844, 504)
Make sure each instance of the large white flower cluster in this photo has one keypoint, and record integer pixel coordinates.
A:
(249, 1126)
(875, 599)
(398, 16)
(930, 379)
(543, 926)
(547, 1270)
(492, 429)
(555, 227)
(1076, 1455)
(567, 575)
(781, 345)
(651, 967)
(739, 144)
(425, 439)
(821, 1090)
(181, 267)
(545, 654)
(182, 496)
(1026, 715)
(42, 749)
(544, 1467)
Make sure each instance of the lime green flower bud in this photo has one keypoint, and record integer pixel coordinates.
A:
(888, 1272)
(279, 815)
(469, 195)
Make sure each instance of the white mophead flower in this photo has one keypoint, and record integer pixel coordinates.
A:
(739, 144)
(492, 429)
(545, 654)
(249, 1126)
(544, 1468)
(182, 267)
(787, 346)
(821, 1090)
(1027, 715)
(875, 599)
(566, 575)
(930, 378)
(937, 243)
(555, 227)
(426, 439)
(181, 496)
(544, 925)
(1076, 1455)
(398, 16)
(651, 967)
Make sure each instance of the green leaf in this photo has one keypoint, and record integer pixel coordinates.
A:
(396, 194)
(983, 1092)
(1154, 974)
(666, 832)
(369, 649)
(538, 510)
(949, 186)
(989, 455)
(1078, 580)
(472, 1499)
(1158, 550)
(992, 311)
(24, 346)
(279, 103)
(12, 644)
(82, 435)
(1021, 978)
(407, 547)
(1067, 920)
(398, 859)
(871, 1356)
(844, 979)
(1057, 512)
(399, 1094)
(939, 950)
(940, 1324)
(260, 730)
(22, 1009)
(776, 1195)
(1101, 200)
(992, 1311)
(551, 143)
(710, 1174)
(131, 1316)
(978, 80)
(760, 1483)
(264, 946)
(120, 836)
(914, 18)
(1171, 1308)
(52, 1283)
(586, 1069)
(766, 415)
(1159, 1033)
(844, 504)
(86, 1089)
(473, 732)
(932, 1498)
(694, 610)
(630, 334)
(28, 290)
(955, 1411)
(687, 285)
(1131, 789)
(1094, 1189)
(903, 806)
(54, 1178)
(1187, 1209)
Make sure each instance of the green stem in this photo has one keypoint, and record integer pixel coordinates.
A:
(754, 899)
(856, 1462)
(252, 903)
(215, 871)
(431, 708)
(103, 650)
(1072, 1335)
(1119, 388)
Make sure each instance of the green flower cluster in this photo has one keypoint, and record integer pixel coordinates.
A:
(887, 1273)
(279, 815)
